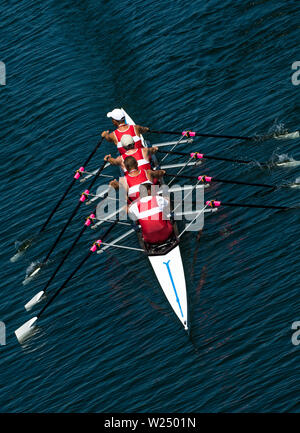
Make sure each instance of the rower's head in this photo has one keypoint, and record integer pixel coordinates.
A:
(130, 163)
(117, 116)
(146, 189)
(127, 142)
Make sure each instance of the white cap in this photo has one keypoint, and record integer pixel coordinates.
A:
(116, 114)
(127, 140)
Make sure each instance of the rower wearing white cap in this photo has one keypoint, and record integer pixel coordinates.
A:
(143, 156)
(118, 119)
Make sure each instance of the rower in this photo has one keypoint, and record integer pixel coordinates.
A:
(118, 119)
(150, 211)
(135, 177)
(143, 156)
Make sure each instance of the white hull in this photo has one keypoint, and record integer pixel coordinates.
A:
(170, 274)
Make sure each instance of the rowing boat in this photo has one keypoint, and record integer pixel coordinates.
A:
(165, 259)
(167, 265)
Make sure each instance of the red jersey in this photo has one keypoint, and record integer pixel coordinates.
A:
(129, 131)
(134, 183)
(143, 164)
(149, 212)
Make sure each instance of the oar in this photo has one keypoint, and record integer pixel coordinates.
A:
(83, 197)
(209, 179)
(200, 134)
(38, 297)
(216, 203)
(198, 155)
(25, 245)
(284, 135)
(77, 175)
(28, 326)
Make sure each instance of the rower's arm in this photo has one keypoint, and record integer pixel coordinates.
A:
(155, 174)
(152, 150)
(108, 136)
(114, 184)
(141, 129)
(113, 161)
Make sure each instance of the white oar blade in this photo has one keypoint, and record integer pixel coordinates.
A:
(289, 135)
(16, 257)
(35, 300)
(30, 276)
(34, 272)
(292, 163)
(25, 330)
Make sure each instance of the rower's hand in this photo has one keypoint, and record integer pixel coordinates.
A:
(106, 158)
(155, 148)
(104, 134)
(114, 183)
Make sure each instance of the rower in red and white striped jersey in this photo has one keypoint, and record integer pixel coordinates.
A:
(135, 131)
(151, 212)
(135, 177)
(143, 156)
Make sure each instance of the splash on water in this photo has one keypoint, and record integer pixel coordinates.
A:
(280, 132)
(21, 248)
(31, 272)
(296, 183)
(284, 160)
(277, 129)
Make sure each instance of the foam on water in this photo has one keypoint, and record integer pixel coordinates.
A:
(284, 160)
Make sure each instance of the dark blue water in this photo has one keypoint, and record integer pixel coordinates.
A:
(110, 343)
